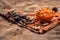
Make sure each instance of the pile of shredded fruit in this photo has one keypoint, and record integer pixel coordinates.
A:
(39, 22)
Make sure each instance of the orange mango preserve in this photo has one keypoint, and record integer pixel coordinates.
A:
(45, 14)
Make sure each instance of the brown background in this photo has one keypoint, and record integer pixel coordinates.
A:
(9, 31)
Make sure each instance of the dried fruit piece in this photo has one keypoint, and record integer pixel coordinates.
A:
(45, 14)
